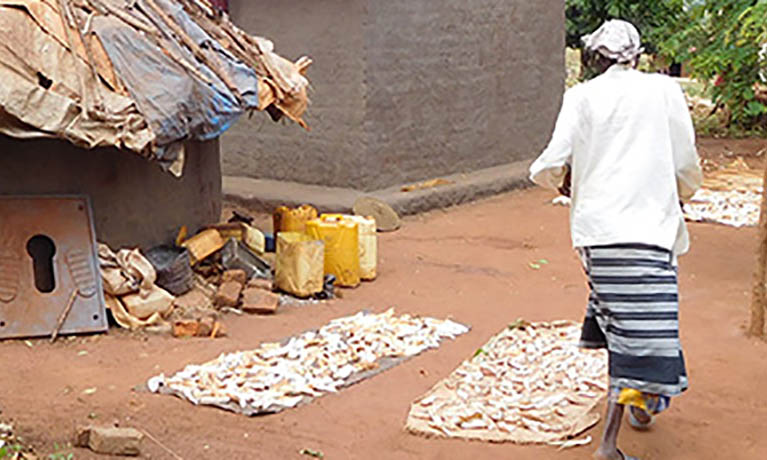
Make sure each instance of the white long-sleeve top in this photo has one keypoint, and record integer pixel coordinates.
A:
(629, 139)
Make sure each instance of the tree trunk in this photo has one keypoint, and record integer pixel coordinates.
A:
(758, 300)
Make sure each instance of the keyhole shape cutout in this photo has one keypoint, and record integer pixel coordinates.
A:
(42, 249)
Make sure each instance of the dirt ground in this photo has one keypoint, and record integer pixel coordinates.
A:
(470, 263)
(723, 151)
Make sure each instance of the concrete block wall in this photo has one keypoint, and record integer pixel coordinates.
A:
(406, 90)
(331, 32)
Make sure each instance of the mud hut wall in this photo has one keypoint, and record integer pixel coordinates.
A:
(406, 90)
(134, 202)
(331, 33)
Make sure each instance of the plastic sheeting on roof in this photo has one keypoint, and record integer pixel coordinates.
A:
(141, 75)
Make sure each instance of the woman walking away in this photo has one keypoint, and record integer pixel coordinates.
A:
(624, 148)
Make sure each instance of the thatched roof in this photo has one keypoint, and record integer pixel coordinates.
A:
(141, 75)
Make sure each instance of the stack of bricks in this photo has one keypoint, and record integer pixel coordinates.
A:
(254, 296)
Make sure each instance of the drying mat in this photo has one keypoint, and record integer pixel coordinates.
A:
(735, 208)
(278, 376)
(730, 195)
(529, 384)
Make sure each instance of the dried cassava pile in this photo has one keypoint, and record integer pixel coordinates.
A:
(529, 384)
(277, 376)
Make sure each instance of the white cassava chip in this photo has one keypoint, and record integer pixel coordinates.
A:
(277, 376)
(529, 384)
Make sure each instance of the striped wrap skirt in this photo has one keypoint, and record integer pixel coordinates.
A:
(633, 311)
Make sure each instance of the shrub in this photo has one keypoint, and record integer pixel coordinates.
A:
(722, 41)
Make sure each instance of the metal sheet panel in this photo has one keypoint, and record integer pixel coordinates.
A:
(25, 310)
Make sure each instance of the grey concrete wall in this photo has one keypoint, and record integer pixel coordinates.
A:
(134, 202)
(406, 90)
(331, 33)
(459, 85)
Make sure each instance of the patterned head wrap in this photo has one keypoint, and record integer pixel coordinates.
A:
(615, 39)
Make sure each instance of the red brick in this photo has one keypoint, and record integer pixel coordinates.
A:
(110, 440)
(235, 275)
(260, 283)
(194, 299)
(255, 300)
(205, 326)
(228, 294)
(186, 328)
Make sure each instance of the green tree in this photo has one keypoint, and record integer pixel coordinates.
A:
(653, 19)
(722, 41)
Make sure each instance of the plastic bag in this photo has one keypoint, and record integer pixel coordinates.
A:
(174, 272)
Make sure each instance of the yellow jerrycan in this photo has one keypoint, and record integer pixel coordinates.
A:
(299, 267)
(285, 219)
(342, 255)
(368, 246)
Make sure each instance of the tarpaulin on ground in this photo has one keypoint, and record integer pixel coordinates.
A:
(141, 75)
(281, 375)
(731, 195)
(528, 384)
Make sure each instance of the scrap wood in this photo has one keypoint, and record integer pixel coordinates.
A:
(64, 314)
(203, 244)
(216, 329)
(278, 376)
(529, 384)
